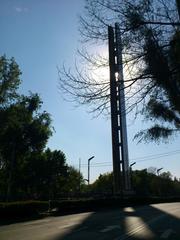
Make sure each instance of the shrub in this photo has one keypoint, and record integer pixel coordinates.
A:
(22, 209)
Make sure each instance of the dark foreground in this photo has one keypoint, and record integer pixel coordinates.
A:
(157, 221)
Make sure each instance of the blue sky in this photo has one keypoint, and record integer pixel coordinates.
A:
(42, 35)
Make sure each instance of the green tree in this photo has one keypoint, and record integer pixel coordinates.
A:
(144, 183)
(58, 171)
(104, 184)
(24, 131)
(74, 182)
(45, 174)
(9, 80)
(26, 169)
(140, 182)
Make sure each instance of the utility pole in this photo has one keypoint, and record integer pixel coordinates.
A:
(118, 114)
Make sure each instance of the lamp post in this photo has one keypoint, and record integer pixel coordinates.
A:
(79, 175)
(158, 170)
(132, 164)
(89, 168)
(130, 167)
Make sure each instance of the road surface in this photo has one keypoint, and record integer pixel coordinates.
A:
(157, 221)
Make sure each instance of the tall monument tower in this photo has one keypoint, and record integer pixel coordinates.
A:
(118, 114)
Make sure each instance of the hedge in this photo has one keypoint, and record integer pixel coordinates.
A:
(22, 209)
(28, 209)
(74, 206)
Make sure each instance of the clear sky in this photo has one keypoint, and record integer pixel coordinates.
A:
(42, 35)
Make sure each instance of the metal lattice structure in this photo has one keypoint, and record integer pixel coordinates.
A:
(118, 114)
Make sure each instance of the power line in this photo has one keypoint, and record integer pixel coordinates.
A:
(157, 155)
(139, 159)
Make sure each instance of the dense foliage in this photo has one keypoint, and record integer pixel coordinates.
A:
(144, 184)
(27, 169)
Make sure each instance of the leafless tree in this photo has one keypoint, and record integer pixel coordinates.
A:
(140, 21)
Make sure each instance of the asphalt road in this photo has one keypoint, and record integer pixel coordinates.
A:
(157, 221)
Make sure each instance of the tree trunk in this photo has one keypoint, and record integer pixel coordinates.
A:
(9, 196)
(178, 7)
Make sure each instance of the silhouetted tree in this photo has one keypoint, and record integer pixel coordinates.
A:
(74, 182)
(44, 174)
(24, 131)
(150, 42)
(27, 170)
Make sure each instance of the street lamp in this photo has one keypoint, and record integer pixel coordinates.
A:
(89, 168)
(132, 164)
(158, 170)
(131, 178)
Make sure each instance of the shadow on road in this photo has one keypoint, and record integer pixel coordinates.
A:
(137, 223)
(5, 222)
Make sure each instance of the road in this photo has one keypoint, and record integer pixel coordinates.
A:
(157, 221)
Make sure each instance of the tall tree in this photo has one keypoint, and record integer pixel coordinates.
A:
(73, 182)
(9, 80)
(24, 131)
(24, 128)
(45, 174)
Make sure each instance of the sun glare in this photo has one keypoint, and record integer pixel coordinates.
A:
(101, 74)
